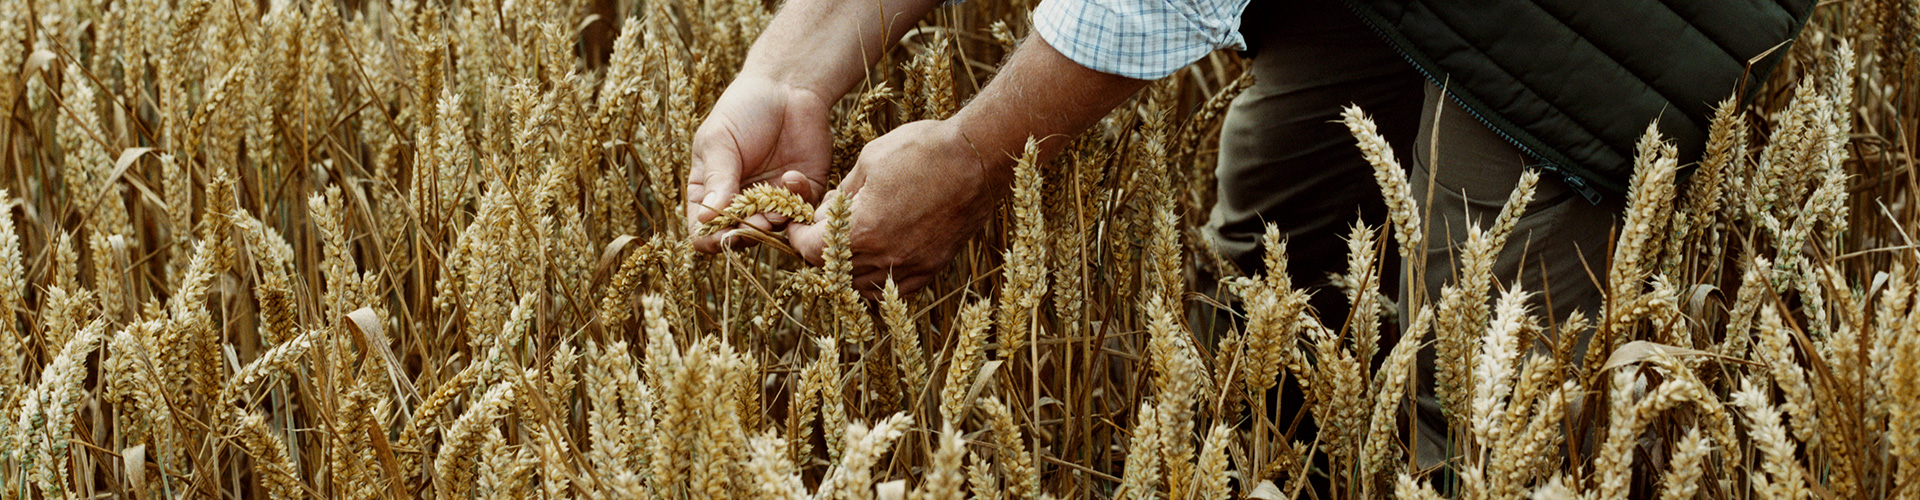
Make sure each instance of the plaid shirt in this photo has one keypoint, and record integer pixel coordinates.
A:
(1145, 39)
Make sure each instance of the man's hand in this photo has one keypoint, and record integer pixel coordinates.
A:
(918, 193)
(771, 123)
(760, 131)
(921, 191)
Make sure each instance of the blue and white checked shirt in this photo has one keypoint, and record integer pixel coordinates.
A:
(1145, 39)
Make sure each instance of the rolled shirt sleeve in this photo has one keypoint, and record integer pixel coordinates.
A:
(1145, 39)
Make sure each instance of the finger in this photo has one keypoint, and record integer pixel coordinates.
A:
(873, 283)
(707, 244)
(855, 180)
(915, 283)
(810, 239)
(737, 239)
(800, 184)
(694, 191)
(758, 221)
(717, 180)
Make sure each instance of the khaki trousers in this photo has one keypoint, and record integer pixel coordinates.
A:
(1286, 159)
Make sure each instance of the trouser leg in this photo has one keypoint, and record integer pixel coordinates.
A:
(1558, 250)
(1285, 159)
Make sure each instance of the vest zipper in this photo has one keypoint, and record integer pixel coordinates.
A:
(1579, 184)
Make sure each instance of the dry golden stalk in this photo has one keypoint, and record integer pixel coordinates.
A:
(772, 472)
(833, 399)
(131, 376)
(607, 431)
(1462, 313)
(858, 127)
(1205, 120)
(905, 335)
(1164, 269)
(616, 303)
(965, 359)
(87, 164)
(1273, 311)
(350, 461)
(214, 104)
(944, 477)
(1142, 473)
(66, 263)
(744, 381)
(1361, 285)
(271, 462)
(912, 102)
(1389, 389)
(1532, 452)
(1179, 380)
(1901, 380)
(760, 198)
(45, 425)
(1340, 398)
(980, 478)
(13, 286)
(108, 277)
(1776, 350)
(1393, 181)
(1070, 268)
(720, 442)
(1783, 476)
(1024, 280)
(426, 416)
(1405, 487)
(1625, 422)
(187, 357)
(1210, 479)
(505, 472)
(1497, 364)
(849, 312)
(455, 462)
(936, 66)
(852, 478)
(1685, 471)
(13, 27)
(803, 407)
(1726, 150)
(1010, 451)
(671, 449)
(64, 314)
(500, 347)
(275, 362)
(1650, 199)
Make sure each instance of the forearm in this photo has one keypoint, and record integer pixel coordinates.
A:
(1042, 94)
(825, 46)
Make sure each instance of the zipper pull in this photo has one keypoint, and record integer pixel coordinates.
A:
(1578, 184)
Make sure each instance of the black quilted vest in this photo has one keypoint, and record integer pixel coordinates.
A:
(1575, 82)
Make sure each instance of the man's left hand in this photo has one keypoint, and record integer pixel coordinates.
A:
(917, 193)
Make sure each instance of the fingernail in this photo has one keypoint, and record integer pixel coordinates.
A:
(712, 201)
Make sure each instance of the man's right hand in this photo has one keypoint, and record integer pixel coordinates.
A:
(760, 130)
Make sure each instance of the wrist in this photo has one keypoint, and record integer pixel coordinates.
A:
(799, 94)
(997, 147)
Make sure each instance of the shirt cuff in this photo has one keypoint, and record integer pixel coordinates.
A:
(1147, 40)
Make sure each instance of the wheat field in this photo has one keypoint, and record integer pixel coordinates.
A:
(384, 250)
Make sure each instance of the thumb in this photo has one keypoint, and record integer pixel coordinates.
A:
(714, 181)
(811, 239)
